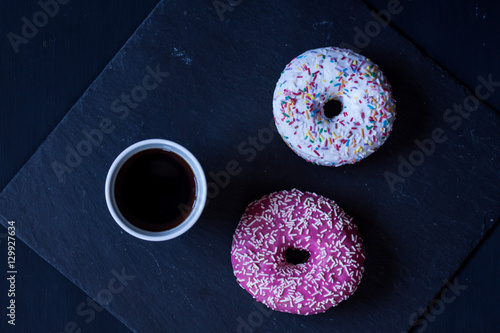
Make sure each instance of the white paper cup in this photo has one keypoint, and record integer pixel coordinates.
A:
(200, 189)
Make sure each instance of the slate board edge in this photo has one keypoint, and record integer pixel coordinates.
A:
(105, 69)
(473, 249)
(448, 73)
(472, 246)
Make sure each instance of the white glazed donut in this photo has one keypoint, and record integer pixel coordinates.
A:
(322, 75)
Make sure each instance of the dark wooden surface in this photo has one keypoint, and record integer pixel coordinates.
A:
(466, 321)
(39, 85)
(461, 37)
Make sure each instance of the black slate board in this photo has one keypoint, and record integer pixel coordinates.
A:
(217, 94)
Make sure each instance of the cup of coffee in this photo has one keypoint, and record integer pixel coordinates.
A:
(156, 190)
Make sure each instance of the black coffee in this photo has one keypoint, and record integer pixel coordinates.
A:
(155, 190)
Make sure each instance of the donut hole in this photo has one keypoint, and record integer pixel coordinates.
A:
(296, 256)
(332, 108)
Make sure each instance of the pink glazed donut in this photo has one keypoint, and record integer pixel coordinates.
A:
(297, 252)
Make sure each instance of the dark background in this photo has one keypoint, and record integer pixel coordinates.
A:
(40, 84)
